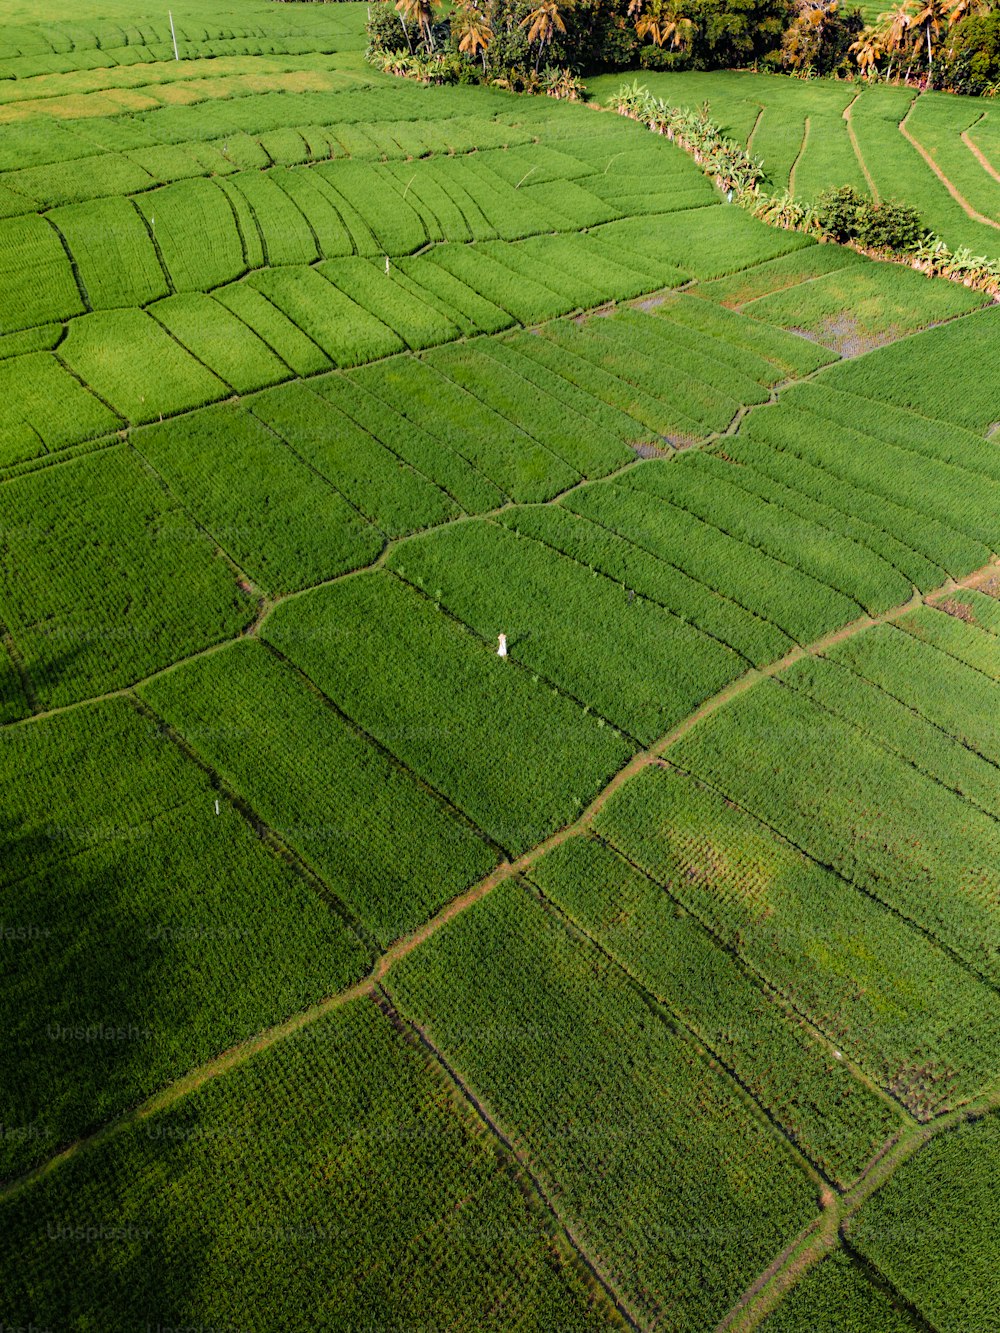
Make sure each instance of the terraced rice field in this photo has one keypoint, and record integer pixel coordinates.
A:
(359, 977)
(936, 151)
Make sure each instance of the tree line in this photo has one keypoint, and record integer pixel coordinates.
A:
(547, 45)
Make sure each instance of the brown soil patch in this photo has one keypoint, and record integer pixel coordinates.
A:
(651, 302)
(601, 312)
(960, 610)
(647, 449)
(846, 336)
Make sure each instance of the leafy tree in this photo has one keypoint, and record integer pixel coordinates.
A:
(972, 61)
(735, 33)
(473, 29)
(896, 30)
(662, 21)
(420, 14)
(819, 36)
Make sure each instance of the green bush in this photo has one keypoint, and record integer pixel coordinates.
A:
(886, 224)
(889, 225)
(838, 212)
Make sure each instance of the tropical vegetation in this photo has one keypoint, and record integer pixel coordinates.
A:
(546, 45)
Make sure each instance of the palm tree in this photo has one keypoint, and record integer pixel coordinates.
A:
(474, 29)
(930, 17)
(664, 23)
(967, 9)
(421, 14)
(868, 51)
(544, 21)
(896, 24)
(803, 38)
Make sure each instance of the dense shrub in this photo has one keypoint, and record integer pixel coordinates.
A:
(888, 225)
(838, 212)
(846, 215)
(972, 60)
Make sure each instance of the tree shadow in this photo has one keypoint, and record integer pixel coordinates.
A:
(82, 971)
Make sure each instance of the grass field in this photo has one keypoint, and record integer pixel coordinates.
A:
(360, 977)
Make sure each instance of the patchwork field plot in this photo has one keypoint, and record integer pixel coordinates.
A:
(841, 1293)
(844, 961)
(854, 787)
(379, 648)
(389, 851)
(129, 975)
(488, 576)
(836, 1121)
(274, 516)
(583, 1102)
(499, 656)
(117, 581)
(402, 1159)
(954, 1285)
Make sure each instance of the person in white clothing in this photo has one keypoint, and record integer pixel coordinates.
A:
(502, 650)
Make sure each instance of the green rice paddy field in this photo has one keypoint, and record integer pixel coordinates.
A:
(357, 977)
(936, 151)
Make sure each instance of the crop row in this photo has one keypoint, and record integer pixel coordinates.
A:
(856, 308)
(418, 1213)
(932, 1229)
(836, 1120)
(955, 698)
(105, 578)
(44, 408)
(701, 485)
(191, 349)
(657, 580)
(661, 1170)
(855, 806)
(900, 729)
(842, 467)
(384, 845)
(796, 603)
(840, 1291)
(577, 628)
(962, 642)
(518, 757)
(912, 1017)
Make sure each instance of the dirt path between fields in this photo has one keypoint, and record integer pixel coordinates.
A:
(857, 147)
(750, 136)
(980, 156)
(977, 579)
(798, 158)
(959, 198)
(242, 1052)
(821, 1236)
